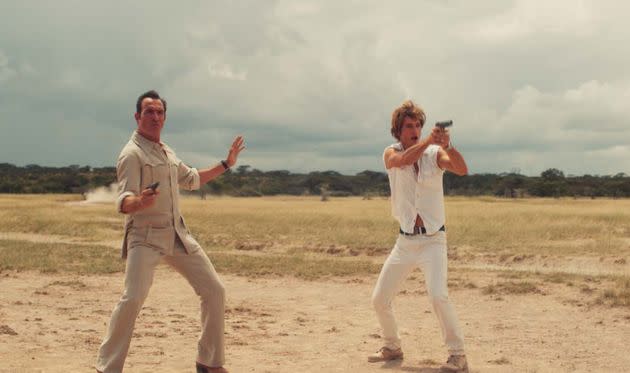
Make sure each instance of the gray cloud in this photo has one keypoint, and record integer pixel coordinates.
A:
(529, 84)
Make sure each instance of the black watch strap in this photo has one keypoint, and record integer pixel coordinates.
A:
(225, 165)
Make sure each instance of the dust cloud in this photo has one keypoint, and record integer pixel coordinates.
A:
(103, 194)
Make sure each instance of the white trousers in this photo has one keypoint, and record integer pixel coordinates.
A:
(200, 273)
(428, 253)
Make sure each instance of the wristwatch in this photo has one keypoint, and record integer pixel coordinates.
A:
(225, 165)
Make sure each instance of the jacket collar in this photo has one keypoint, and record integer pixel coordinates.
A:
(144, 143)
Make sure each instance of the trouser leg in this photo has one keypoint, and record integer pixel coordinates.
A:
(396, 268)
(200, 273)
(141, 262)
(434, 265)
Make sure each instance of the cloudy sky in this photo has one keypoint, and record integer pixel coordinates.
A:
(311, 85)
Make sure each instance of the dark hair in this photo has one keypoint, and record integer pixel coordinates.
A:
(149, 94)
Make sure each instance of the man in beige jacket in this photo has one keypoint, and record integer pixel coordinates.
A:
(155, 230)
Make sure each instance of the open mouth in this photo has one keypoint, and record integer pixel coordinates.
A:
(415, 138)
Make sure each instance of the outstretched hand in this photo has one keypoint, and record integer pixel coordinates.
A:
(235, 149)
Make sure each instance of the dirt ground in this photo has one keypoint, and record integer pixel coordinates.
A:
(54, 323)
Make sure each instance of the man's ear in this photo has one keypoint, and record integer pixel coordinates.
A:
(137, 116)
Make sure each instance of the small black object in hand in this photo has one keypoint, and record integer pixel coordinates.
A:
(444, 124)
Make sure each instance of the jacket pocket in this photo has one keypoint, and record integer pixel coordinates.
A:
(161, 237)
(136, 236)
(153, 171)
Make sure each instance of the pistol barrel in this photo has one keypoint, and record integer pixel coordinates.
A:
(444, 124)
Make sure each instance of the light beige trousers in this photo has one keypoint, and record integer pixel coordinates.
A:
(428, 253)
(200, 273)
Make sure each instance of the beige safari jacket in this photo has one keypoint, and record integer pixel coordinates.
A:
(142, 162)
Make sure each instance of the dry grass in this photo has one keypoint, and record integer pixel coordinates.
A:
(292, 221)
(309, 239)
(618, 296)
(297, 266)
(52, 214)
(486, 225)
(541, 226)
(74, 284)
(500, 361)
(511, 288)
(56, 257)
(510, 227)
(303, 236)
(86, 259)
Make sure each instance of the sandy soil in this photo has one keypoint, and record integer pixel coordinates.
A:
(54, 323)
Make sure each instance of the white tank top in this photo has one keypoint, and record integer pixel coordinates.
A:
(420, 194)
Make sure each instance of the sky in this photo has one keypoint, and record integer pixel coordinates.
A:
(311, 85)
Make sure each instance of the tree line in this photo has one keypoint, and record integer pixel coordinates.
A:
(249, 182)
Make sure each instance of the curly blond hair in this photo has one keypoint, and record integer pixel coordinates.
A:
(407, 109)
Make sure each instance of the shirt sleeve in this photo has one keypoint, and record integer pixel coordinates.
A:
(187, 177)
(128, 171)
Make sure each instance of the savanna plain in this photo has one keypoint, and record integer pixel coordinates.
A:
(540, 285)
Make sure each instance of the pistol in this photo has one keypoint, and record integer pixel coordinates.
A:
(154, 186)
(443, 124)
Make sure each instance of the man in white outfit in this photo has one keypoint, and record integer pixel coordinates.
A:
(415, 168)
